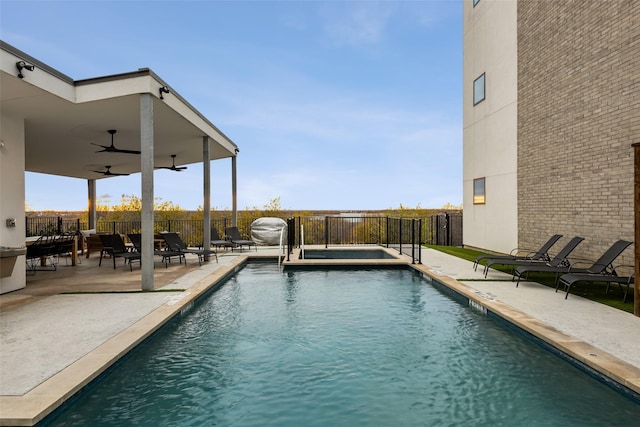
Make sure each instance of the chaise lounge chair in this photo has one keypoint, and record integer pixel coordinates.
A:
(136, 240)
(175, 244)
(234, 234)
(217, 242)
(561, 259)
(540, 254)
(112, 244)
(603, 265)
(568, 280)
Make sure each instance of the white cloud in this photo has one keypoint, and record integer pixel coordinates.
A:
(357, 23)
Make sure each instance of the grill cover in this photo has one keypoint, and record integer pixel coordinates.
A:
(266, 231)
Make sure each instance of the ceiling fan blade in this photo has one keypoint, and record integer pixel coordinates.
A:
(173, 166)
(118, 150)
(112, 148)
(108, 172)
(104, 147)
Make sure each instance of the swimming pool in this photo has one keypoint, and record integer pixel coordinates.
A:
(342, 348)
(346, 254)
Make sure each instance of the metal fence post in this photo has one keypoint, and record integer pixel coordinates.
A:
(400, 234)
(413, 241)
(387, 233)
(326, 232)
(420, 242)
(447, 229)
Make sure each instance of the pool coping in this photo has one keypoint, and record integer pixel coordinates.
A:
(42, 400)
(397, 260)
(592, 357)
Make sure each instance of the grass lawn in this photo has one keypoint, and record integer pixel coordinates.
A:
(592, 291)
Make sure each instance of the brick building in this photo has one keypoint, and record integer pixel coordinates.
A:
(551, 108)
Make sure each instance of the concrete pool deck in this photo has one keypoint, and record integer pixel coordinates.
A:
(54, 344)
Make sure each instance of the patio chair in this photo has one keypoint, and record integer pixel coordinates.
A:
(568, 280)
(40, 254)
(603, 265)
(175, 244)
(560, 259)
(234, 235)
(136, 241)
(540, 254)
(63, 246)
(217, 241)
(113, 245)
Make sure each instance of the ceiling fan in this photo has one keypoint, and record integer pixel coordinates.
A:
(109, 173)
(112, 148)
(173, 167)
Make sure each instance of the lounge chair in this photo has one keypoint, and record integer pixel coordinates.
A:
(234, 234)
(603, 265)
(568, 280)
(559, 260)
(217, 241)
(175, 244)
(112, 244)
(136, 241)
(540, 254)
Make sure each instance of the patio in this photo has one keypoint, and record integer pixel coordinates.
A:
(88, 277)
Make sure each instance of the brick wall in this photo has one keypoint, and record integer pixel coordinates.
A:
(578, 114)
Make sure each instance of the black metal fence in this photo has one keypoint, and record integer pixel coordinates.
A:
(439, 229)
(442, 229)
(190, 230)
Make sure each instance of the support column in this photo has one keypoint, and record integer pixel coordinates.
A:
(636, 209)
(91, 208)
(146, 166)
(234, 191)
(206, 203)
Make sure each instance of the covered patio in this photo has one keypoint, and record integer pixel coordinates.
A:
(125, 123)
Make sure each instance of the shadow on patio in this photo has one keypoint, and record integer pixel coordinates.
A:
(89, 277)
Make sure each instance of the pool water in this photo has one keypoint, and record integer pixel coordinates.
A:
(346, 254)
(342, 348)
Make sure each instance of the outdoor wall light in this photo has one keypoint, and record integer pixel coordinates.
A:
(21, 65)
(163, 89)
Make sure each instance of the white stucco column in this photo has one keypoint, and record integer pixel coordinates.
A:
(206, 202)
(234, 192)
(146, 165)
(92, 202)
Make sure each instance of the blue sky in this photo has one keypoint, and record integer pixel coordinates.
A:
(334, 104)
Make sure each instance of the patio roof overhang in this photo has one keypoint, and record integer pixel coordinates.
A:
(56, 120)
(64, 117)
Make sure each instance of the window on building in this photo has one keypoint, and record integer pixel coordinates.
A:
(475, 2)
(478, 191)
(478, 89)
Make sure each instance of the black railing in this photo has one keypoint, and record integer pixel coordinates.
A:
(404, 235)
(291, 235)
(441, 229)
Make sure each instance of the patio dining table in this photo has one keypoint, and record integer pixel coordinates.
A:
(74, 250)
